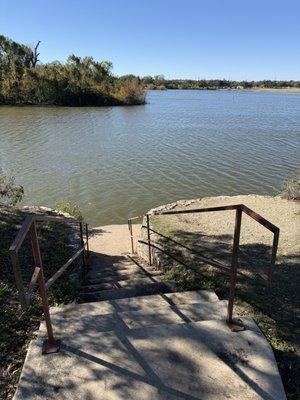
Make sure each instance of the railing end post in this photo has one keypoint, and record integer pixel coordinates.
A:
(233, 273)
(131, 235)
(87, 241)
(235, 325)
(273, 254)
(149, 240)
(51, 346)
(83, 267)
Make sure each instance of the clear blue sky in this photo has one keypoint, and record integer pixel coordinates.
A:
(232, 39)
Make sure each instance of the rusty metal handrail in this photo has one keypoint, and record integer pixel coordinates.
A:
(50, 345)
(257, 217)
(233, 269)
(129, 222)
(252, 214)
(207, 260)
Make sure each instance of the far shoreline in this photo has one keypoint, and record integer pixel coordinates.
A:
(132, 104)
(279, 90)
(254, 89)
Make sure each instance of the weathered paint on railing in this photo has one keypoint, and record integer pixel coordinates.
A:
(233, 268)
(50, 345)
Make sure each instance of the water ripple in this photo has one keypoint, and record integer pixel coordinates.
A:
(115, 162)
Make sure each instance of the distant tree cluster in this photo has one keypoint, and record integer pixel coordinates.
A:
(77, 82)
(159, 82)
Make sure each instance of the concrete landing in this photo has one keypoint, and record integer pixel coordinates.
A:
(202, 360)
(150, 302)
(79, 317)
(143, 342)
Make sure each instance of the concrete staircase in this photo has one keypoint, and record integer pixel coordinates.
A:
(128, 277)
(134, 337)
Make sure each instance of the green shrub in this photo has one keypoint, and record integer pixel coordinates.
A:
(70, 208)
(10, 193)
(130, 91)
(80, 81)
(291, 188)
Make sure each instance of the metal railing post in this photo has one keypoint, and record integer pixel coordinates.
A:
(83, 267)
(50, 345)
(148, 235)
(234, 325)
(131, 235)
(274, 254)
(87, 240)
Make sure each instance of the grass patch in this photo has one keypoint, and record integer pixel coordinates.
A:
(17, 326)
(291, 188)
(274, 307)
(70, 208)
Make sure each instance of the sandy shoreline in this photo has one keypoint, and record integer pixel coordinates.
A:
(279, 90)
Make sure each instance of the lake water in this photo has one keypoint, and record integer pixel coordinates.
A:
(116, 162)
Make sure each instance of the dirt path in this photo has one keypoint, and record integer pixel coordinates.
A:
(113, 240)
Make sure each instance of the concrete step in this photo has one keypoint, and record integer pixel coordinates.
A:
(119, 267)
(138, 290)
(143, 264)
(133, 282)
(128, 263)
(146, 303)
(111, 276)
(185, 361)
(115, 276)
(69, 323)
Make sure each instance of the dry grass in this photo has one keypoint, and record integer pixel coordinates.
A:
(291, 188)
(131, 92)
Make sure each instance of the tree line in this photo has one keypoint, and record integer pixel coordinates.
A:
(80, 81)
(83, 81)
(159, 82)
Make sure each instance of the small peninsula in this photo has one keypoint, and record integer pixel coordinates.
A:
(80, 81)
(83, 81)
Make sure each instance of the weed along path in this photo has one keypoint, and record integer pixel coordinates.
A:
(135, 334)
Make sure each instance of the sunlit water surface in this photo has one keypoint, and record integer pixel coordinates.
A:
(116, 162)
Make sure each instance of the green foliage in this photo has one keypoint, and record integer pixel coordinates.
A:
(130, 91)
(10, 193)
(70, 208)
(80, 81)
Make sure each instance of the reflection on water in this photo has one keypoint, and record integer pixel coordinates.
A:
(117, 162)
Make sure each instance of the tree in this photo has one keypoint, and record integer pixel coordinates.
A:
(35, 55)
(77, 82)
